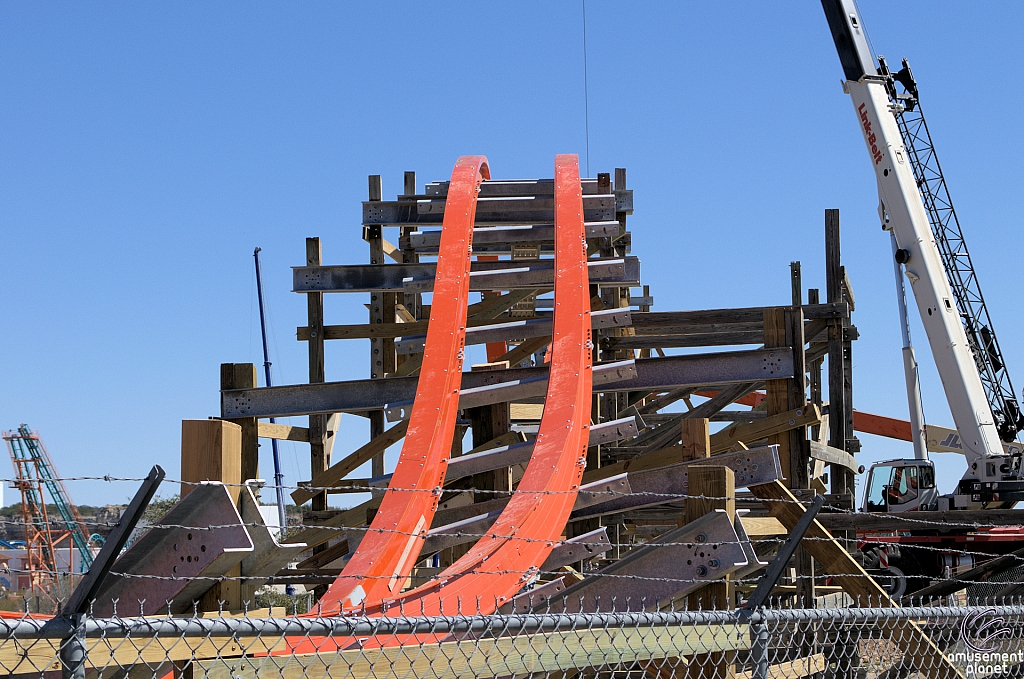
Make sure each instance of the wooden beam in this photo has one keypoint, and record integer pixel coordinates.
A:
(282, 432)
(759, 430)
(855, 581)
(525, 350)
(351, 462)
(777, 391)
(318, 461)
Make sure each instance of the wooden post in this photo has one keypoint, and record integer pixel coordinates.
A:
(318, 461)
(696, 437)
(777, 394)
(488, 423)
(813, 297)
(383, 360)
(211, 450)
(718, 486)
(243, 376)
(841, 478)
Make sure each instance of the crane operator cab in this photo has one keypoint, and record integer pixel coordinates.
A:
(901, 486)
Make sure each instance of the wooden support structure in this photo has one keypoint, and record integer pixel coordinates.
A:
(837, 562)
(243, 376)
(711, 488)
(211, 450)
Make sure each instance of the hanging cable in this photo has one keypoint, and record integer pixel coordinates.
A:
(586, 91)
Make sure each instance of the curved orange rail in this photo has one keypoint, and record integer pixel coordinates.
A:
(509, 554)
(386, 555)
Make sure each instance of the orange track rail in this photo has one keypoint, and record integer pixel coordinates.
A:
(509, 554)
(385, 557)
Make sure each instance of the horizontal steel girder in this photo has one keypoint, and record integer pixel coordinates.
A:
(496, 210)
(668, 372)
(518, 330)
(651, 487)
(204, 539)
(519, 453)
(496, 275)
(669, 566)
(507, 235)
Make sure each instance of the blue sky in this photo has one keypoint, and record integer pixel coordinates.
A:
(148, 148)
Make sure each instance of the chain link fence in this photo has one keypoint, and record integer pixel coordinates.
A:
(968, 641)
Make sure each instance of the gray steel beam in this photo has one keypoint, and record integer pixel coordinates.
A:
(669, 372)
(668, 566)
(518, 330)
(652, 487)
(179, 559)
(499, 275)
(507, 235)
(535, 187)
(664, 320)
(489, 210)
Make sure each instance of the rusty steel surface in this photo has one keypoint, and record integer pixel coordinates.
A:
(522, 537)
(387, 553)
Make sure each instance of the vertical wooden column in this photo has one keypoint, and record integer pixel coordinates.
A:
(696, 437)
(488, 423)
(777, 392)
(842, 480)
(382, 310)
(211, 450)
(318, 461)
(718, 486)
(411, 300)
(243, 376)
(814, 297)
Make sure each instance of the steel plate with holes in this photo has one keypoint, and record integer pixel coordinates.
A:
(667, 567)
(668, 484)
(201, 537)
(575, 549)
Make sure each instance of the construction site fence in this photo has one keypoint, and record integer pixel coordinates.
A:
(969, 641)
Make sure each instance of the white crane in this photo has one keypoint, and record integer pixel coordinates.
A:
(901, 485)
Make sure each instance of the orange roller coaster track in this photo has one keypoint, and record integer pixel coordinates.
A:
(381, 565)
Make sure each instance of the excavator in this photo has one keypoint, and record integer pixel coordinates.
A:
(930, 252)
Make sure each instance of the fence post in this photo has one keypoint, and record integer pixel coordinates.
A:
(73, 650)
(759, 647)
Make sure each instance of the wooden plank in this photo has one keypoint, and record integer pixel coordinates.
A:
(759, 430)
(847, 573)
(762, 526)
(518, 354)
(368, 331)
(351, 462)
(525, 411)
(282, 432)
(523, 654)
(812, 665)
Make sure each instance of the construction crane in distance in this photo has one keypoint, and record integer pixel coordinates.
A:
(34, 471)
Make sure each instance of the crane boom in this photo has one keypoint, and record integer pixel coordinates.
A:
(903, 213)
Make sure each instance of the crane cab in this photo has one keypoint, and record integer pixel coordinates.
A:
(901, 486)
